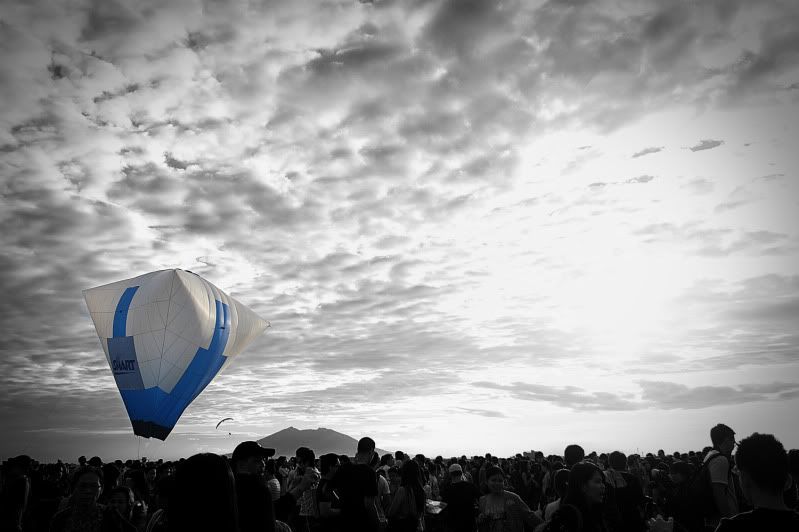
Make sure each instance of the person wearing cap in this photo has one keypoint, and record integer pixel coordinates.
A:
(460, 498)
(257, 511)
(719, 460)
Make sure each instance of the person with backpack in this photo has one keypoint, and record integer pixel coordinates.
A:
(711, 492)
(720, 473)
(763, 467)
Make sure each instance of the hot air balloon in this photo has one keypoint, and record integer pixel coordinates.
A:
(166, 335)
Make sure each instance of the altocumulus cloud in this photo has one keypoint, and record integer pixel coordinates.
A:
(358, 174)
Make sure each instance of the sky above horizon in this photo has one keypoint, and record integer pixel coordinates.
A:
(475, 226)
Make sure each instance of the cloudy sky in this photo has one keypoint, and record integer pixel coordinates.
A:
(473, 225)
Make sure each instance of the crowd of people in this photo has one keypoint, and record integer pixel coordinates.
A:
(726, 487)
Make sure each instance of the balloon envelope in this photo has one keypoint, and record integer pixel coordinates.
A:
(166, 335)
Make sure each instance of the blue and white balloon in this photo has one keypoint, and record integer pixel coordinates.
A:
(166, 335)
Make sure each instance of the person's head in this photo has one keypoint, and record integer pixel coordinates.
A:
(249, 458)
(270, 468)
(398, 456)
(411, 479)
(87, 483)
(680, 472)
(366, 448)
(150, 474)
(134, 479)
(386, 460)
(110, 475)
(762, 465)
(305, 457)
(573, 454)
(19, 465)
(495, 479)
(586, 485)
(723, 438)
(329, 464)
(561, 482)
(205, 495)
(81, 461)
(617, 461)
(411, 473)
(121, 498)
(165, 469)
(455, 472)
(374, 461)
(394, 475)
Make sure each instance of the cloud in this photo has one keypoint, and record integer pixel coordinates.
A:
(564, 396)
(654, 394)
(669, 395)
(647, 151)
(367, 177)
(706, 144)
(483, 413)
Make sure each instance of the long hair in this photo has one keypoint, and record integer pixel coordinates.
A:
(579, 475)
(204, 496)
(411, 480)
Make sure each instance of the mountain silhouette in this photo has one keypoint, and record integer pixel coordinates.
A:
(285, 442)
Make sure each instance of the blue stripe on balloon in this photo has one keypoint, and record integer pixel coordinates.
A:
(121, 314)
(164, 409)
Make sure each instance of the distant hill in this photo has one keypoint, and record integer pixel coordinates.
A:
(321, 440)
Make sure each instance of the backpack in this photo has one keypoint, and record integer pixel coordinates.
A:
(699, 496)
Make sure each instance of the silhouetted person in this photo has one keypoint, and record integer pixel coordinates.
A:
(15, 493)
(329, 508)
(586, 491)
(502, 510)
(461, 498)
(204, 496)
(792, 493)
(573, 454)
(561, 483)
(121, 499)
(83, 512)
(763, 468)
(356, 487)
(407, 506)
(628, 493)
(719, 466)
(257, 512)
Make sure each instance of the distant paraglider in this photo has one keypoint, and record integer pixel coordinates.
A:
(226, 419)
(166, 335)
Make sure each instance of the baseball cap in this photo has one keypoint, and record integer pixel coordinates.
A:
(455, 467)
(247, 449)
